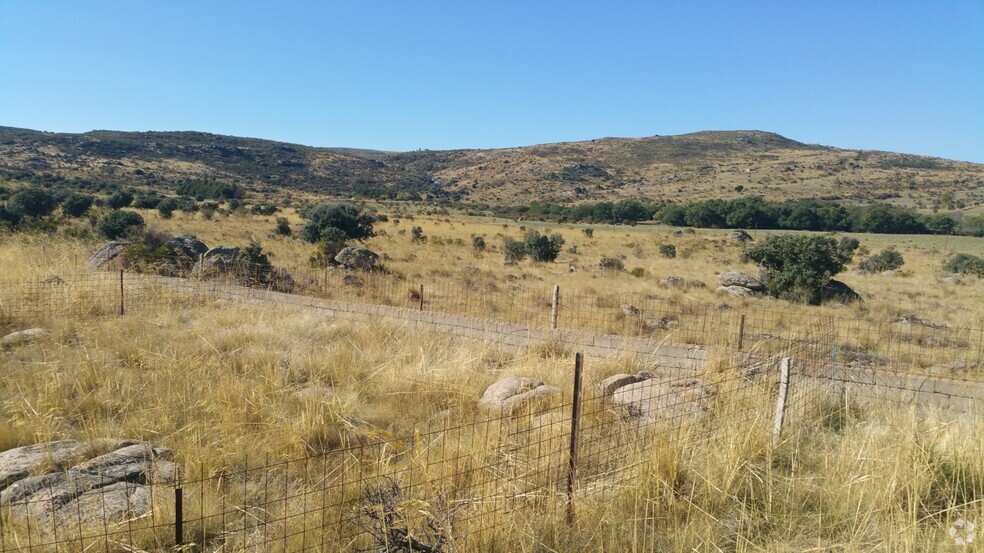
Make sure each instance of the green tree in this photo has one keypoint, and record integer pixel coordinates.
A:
(32, 202)
(709, 214)
(630, 210)
(964, 263)
(120, 199)
(886, 260)
(515, 250)
(541, 247)
(751, 212)
(345, 217)
(972, 226)
(283, 227)
(799, 266)
(8, 216)
(76, 205)
(939, 224)
(120, 223)
(166, 207)
(672, 214)
(332, 241)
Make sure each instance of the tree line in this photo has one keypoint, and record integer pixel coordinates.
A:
(754, 212)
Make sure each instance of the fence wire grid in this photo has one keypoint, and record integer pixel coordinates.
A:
(453, 484)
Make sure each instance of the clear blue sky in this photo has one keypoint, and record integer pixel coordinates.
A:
(891, 75)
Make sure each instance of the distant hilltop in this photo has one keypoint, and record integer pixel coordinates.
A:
(682, 168)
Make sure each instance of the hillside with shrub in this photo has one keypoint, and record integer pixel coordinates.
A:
(662, 169)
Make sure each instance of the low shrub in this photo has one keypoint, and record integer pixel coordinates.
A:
(965, 264)
(611, 264)
(883, 261)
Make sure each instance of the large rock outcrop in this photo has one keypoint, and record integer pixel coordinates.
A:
(355, 257)
(103, 257)
(75, 484)
(736, 278)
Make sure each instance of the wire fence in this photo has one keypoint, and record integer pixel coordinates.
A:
(545, 458)
(459, 483)
(905, 344)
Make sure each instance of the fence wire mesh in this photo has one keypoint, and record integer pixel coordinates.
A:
(453, 483)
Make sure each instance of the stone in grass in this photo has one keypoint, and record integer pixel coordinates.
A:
(608, 386)
(663, 400)
(514, 393)
(736, 278)
(107, 488)
(24, 337)
(354, 257)
(736, 291)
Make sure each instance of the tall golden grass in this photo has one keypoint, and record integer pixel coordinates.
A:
(232, 387)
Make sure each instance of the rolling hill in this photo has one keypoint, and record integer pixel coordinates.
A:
(713, 164)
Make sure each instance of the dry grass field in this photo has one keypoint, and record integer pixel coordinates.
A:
(230, 386)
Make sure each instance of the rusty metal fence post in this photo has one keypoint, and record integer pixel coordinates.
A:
(122, 306)
(575, 427)
(178, 517)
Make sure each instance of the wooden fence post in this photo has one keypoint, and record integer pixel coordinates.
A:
(741, 332)
(421, 297)
(781, 401)
(554, 302)
(575, 428)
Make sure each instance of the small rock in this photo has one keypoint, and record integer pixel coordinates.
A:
(228, 254)
(358, 258)
(24, 336)
(672, 282)
(736, 291)
(630, 310)
(186, 245)
(169, 269)
(608, 386)
(352, 280)
(735, 278)
(653, 400)
(470, 270)
(836, 290)
(739, 236)
(107, 253)
(696, 283)
(954, 278)
(910, 319)
(516, 392)
(662, 323)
